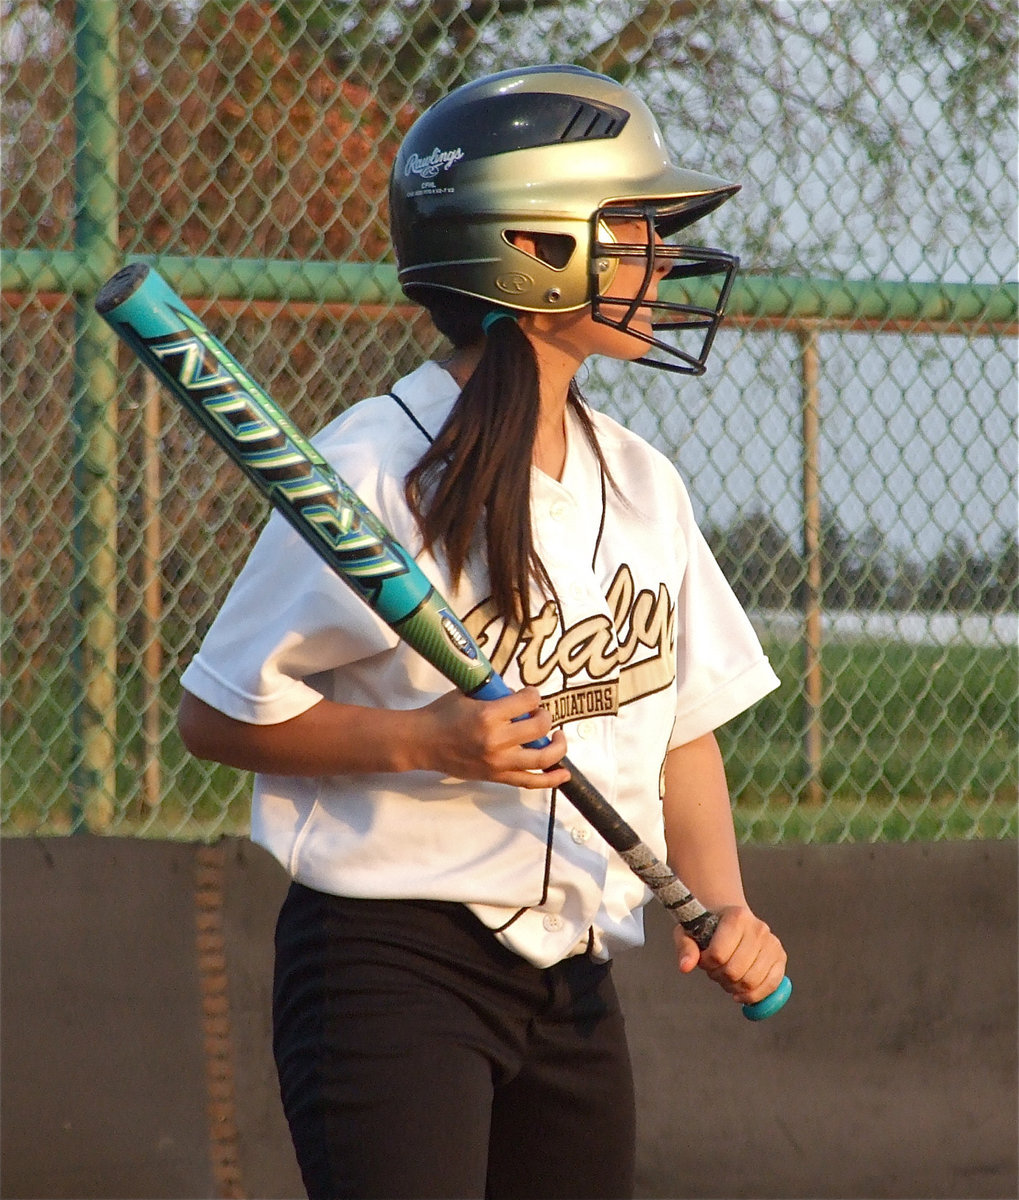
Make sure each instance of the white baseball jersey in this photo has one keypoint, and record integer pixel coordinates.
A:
(642, 647)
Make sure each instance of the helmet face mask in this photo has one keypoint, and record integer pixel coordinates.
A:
(691, 321)
(551, 153)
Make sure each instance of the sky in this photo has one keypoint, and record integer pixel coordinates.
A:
(917, 433)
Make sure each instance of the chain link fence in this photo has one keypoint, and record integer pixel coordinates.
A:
(851, 452)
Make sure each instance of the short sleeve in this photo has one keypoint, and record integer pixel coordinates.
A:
(287, 619)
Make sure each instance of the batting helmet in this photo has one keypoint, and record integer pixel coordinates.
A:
(555, 151)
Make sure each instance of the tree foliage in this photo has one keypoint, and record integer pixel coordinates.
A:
(859, 571)
(268, 128)
(233, 143)
(908, 95)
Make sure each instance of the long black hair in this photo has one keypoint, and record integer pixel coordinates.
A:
(475, 478)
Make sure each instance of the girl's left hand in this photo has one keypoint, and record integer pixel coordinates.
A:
(744, 957)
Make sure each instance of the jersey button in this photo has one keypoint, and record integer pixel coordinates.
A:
(558, 510)
(580, 834)
(552, 922)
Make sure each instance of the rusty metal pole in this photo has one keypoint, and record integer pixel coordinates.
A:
(813, 736)
(152, 593)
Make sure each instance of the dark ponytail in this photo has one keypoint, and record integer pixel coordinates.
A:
(475, 478)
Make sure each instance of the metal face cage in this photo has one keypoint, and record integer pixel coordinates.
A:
(693, 321)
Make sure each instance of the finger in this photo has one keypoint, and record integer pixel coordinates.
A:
(533, 768)
(739, 973)
(512, 721)
(755, 967)
(532, 727)
(767, 970)
(724, 943)
(546, 759)
(734, 954)
(739, 934)
(536, 780)
(688, 954)
(524, 703)
(732, 964)
(753, 992)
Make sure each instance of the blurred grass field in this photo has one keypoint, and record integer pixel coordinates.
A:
(896, 764)
(900, 758)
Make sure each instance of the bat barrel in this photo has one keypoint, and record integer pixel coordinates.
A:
(120, 287)
(287, 469)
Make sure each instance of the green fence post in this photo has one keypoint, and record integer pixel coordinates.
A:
(95, 418)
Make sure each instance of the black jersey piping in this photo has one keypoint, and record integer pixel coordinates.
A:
(428, 437)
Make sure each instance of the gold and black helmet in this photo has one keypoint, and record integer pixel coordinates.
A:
(554, 151)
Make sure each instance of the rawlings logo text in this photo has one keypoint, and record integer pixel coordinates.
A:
(431, 164)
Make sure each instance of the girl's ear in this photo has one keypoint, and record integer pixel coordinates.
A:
(553, 249)
(527, 242)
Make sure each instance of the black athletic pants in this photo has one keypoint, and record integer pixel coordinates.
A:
(419, 1058)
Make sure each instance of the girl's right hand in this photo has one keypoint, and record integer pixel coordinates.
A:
(485, 739)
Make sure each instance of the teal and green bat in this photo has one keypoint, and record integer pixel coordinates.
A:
(297, 481)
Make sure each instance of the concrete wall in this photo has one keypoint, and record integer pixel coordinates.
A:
(892, 1073)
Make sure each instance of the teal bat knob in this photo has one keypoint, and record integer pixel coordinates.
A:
(770, 1004)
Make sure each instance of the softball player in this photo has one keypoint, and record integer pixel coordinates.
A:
(445, 1023)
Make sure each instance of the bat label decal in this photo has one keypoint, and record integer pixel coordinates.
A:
(272, 447)
(459, 638)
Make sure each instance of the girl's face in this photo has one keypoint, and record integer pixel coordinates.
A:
(627, 280)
